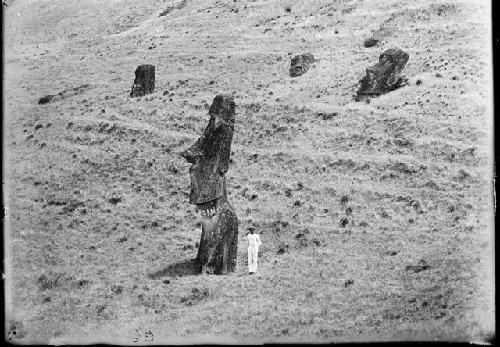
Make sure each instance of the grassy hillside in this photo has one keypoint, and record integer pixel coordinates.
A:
(376, 218)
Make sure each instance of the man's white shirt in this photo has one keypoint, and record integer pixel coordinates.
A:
(253, 240)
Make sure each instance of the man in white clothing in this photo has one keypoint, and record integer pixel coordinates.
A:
(253, 250)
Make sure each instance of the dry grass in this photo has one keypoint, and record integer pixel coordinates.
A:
(375, 219)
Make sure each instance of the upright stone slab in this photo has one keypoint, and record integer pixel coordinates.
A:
(386, 74)
(144, 82)
(300, 64)
(210, 158)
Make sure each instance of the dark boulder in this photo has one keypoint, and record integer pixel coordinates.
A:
(45, 99)
(370, 42)
(300, 64)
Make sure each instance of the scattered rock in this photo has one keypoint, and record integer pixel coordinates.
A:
(16, 330)
(316, 242)
(462, 175)
(114, 200)
(282, 248)
(301, 234)
(300, 64)
(62, 95)
(122, 239)
(403, 168)
(117, 289)
(51, 280)
(45, 99)
(38, 126)
(403, 142)
(422, 266)
(386, 74)
(82, 283)
(343, 222)
(169, 9)
(278, 225)
(344, 199)
(71, 206)
(348, 282)
(370, 42)
(166, 281)
(327, 116)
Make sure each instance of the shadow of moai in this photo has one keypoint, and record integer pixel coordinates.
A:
(210, 158)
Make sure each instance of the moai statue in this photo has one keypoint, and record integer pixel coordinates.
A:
(300, 64)
(210, 159)
(144, 82)
(386, 74)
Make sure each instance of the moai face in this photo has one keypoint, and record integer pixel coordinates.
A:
(385, 75)
(210, 154)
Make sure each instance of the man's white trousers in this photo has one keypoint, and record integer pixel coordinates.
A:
(252, 258)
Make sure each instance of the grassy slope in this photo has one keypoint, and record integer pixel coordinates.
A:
(414, 165)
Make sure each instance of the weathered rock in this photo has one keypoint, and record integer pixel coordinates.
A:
(386, 74)
(210, 158)
(63, 94)
(300, 64)
(370, 42)
(144, 82)
(348, 282)
(45, 99)
(421, 266)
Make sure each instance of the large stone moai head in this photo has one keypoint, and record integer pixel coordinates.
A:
(210, 154)
(144, 82)
(386, 74)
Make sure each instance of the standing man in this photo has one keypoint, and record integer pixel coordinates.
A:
(253, 250)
